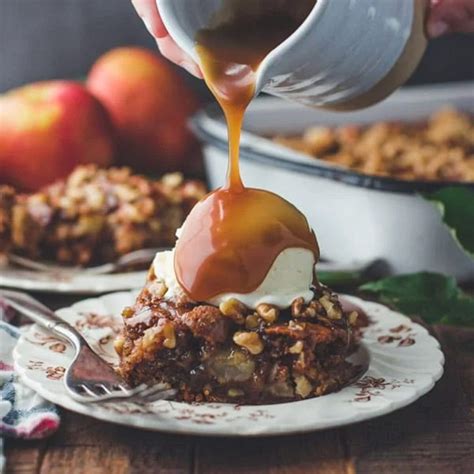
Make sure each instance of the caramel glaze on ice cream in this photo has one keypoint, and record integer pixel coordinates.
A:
(233, 236)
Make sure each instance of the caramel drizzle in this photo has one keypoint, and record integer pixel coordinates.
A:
(233, 236)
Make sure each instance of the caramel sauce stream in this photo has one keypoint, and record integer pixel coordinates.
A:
(233, 236)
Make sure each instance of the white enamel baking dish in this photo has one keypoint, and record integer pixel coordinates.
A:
(357, 218)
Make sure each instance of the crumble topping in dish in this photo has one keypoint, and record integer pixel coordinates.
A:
(440, 149)
(96, 215)
(232, 353)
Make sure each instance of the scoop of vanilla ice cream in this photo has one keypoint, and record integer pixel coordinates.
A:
(163, 267)
(290, 277)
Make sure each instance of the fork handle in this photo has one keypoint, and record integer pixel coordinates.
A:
(41, 315)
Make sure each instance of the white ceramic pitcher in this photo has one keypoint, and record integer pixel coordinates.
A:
(347, 54)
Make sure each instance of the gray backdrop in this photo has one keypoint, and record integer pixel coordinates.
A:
(44, 39)
(47, 39)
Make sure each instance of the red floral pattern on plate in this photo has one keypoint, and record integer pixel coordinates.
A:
(373, 387)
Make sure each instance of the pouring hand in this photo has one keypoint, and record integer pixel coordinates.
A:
(450, 16)
(148, 12)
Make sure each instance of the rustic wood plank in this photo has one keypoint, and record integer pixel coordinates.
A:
(86, 445)
(436, 434)
(24, 457)
(116, 459)
(105, 447)
(86, 460)
(462, 339)
(316, 453)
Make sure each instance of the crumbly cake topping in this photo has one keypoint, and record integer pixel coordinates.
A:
(96, 215)
(442, 148)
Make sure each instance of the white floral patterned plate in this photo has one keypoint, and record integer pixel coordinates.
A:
(404, 362)
(80, 283)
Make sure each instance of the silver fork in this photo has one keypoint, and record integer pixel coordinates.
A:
(138, 257)
(89, 378)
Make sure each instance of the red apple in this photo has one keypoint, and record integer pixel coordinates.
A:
(47, 129)
(150, 105)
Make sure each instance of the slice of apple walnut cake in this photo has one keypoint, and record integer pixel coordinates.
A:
(234, 354)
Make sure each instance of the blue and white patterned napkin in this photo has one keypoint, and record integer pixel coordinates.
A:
(23, 413)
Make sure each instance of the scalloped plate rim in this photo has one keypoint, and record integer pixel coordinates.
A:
(82, 284)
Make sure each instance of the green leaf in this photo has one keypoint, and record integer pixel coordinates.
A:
(435, 298)
(456, 205)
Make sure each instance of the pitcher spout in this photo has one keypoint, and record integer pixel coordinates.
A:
(345, 55)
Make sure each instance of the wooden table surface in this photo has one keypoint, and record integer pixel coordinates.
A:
(433, 435)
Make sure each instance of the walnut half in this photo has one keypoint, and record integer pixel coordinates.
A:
(250, 341)
(234, 309)
(268, 313)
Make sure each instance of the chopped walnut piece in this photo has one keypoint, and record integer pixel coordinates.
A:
(151, 337)
(235, 392)
(157, 288)
(118, 344)
(332, 311)
(159, 335)
(250, 340)
(303, 387)
(268, 313)
(170, 336)
(252, 321)
(128, 312)
(234, 309)
(353, 318)
(299, 309)
(301, 362)
(296, 348)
